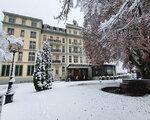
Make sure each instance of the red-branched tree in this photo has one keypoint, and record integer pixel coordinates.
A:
(115, 30)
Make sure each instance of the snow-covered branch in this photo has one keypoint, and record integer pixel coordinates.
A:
(5, 42)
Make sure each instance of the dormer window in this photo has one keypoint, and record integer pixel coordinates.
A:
(60, 29)
(12, 20)
(75, 23)
(34, 24)
(54, 28)
(23, 22)
(48, 27)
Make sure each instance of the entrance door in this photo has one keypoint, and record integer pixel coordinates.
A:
(84, 74)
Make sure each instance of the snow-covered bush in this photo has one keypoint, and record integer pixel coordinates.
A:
(5, 43)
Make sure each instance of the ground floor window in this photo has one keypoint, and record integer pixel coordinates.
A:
(5, 70)
(30, 70)
(18, 70)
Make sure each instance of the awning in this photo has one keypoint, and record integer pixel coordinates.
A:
(78, 66)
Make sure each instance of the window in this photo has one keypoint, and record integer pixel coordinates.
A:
(75, 59)
(80, 42)
(63, 40)
(10, 31)
(63, 69)
(5, 70)
(81, 60)
(57, 47)
(22, 33)
(54, 28)
(75, 49)
(32, 45)
(63, 48)
(69, 49)
(57, 38)
(51, 37)
(70, 59)
(33, 34)
(69, 41)
(34, 24)
(63, 59)
(60, 29)
(30, 70)
(31, 56)
(57, 56)
(12, 20)
(20, 54)
(75, 32)
(69, 31)
(75, 41)
(80, 50)
(44, 37)
(18, 70)
(23, 22)
(80, 33)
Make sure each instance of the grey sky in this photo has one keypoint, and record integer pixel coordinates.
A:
(43, 9)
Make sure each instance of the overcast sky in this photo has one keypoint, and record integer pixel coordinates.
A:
(43, 9)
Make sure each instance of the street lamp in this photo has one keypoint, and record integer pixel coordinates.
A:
(14, 46)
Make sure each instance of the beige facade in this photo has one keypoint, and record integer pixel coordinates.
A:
(66, 44)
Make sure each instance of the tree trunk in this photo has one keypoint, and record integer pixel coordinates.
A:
(145, 72)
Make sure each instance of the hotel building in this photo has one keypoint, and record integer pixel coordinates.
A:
(66, 44)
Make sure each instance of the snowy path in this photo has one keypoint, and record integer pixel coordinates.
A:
(70, 101)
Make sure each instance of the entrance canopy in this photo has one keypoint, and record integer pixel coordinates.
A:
(78, 66)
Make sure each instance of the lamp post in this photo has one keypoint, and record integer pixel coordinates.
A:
(13, 48)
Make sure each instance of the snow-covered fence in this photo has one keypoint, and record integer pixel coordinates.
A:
(123, 76)
(108, 77)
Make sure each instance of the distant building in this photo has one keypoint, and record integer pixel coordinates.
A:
(67, 48)
(104, 70)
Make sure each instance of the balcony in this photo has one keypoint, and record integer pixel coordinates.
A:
(55, 41)
(56, 61)
(76, 43)
(56, 50)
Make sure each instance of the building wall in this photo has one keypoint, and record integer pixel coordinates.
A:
(45, 32)
(28, 28)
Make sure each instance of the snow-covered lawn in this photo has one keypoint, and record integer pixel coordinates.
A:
(82, 100)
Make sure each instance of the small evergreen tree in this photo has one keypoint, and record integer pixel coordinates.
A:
(42, 77)
(46, 65)
(37, 76)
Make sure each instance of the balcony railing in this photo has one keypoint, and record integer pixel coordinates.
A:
(56, 61)
(78, 52)
(56, 50)
(76, 43)
(55, 41)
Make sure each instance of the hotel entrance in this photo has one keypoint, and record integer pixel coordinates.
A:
(79, 72)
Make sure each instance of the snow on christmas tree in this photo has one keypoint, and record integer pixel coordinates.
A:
(42, 77)
(46, 66)
(37, 73)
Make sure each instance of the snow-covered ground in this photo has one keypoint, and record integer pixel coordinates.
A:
(82, 100)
